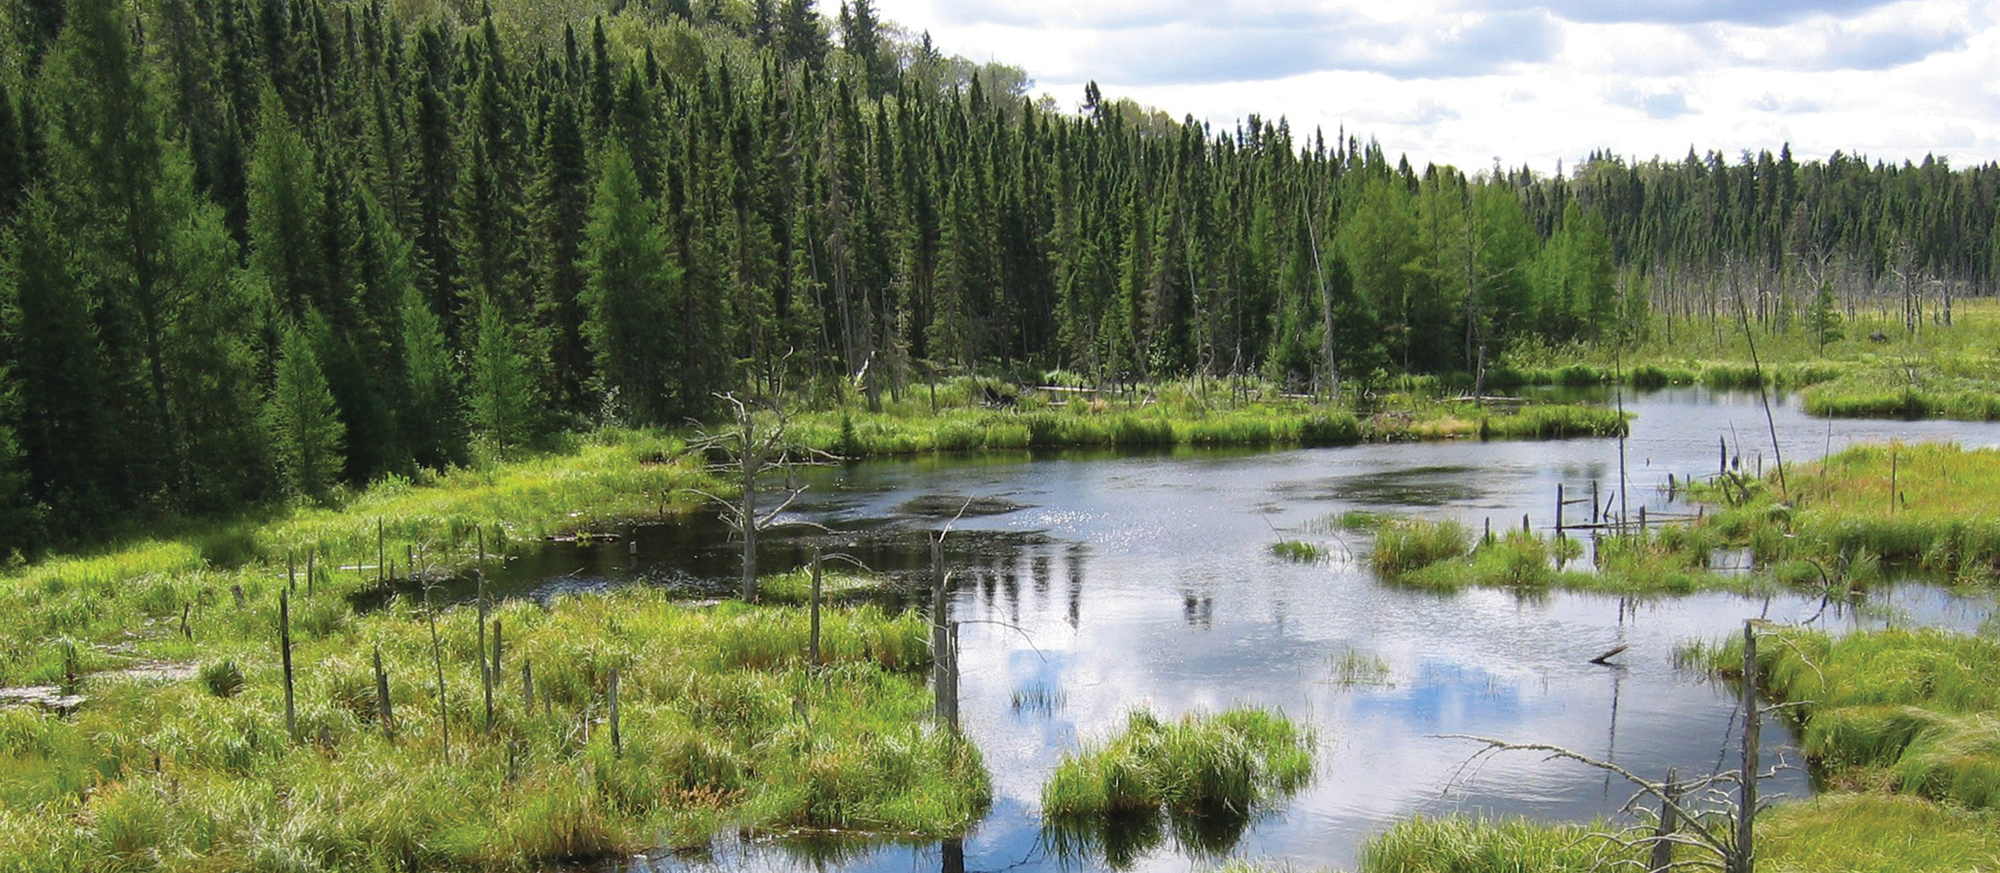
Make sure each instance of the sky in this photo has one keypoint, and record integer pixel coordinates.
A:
(1475, 82)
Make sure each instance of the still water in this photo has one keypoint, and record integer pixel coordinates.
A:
(1094, 584)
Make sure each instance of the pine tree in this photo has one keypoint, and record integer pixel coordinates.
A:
(630, 284)
(802, 35)
(287, 213)
(432, 415)
(65, 414)
(306, 432)
(561, 197)
(503, 399)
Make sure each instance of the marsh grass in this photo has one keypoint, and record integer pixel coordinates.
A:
(1405, 546)
(1351, 668)
(1866, 833)
(1174, 414)
(107, 596)
(1910, 711)
(1299, 551)
(722, 722)
(1870, 833)
(1929, 504)
(1239, 761)
(1470, 845)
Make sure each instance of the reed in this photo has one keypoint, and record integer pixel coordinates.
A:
(1911, 711)
(724, 724)
(1405, 546)
(1469, 845)
(1237, 761)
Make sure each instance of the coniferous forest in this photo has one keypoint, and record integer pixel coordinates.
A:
(257, 249)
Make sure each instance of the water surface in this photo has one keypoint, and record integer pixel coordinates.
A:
(1092, 584)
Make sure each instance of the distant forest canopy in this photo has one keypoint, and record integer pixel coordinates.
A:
(259, 248)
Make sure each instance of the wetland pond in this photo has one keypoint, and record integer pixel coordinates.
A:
(1092, 584)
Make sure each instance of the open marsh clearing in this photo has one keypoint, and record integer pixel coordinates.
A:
(1149, 580)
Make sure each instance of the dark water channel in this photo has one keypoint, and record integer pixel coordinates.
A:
(1149, 580)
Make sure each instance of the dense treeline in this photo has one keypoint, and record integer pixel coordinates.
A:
(266, 247)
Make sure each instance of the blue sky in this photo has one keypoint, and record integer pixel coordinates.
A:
(1467, 82)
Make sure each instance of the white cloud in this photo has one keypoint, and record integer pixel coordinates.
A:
(1524, 81)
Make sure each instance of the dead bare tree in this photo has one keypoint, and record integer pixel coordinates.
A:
(749, 450)
(1718, 809)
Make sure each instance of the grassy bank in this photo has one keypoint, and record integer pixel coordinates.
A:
(1872, 367)
(1914, 712)
(720, 723)
(1039, 420)
(127, 600)
(178, 756)
(1894, 393)
(1866, 833)
(1928, 505)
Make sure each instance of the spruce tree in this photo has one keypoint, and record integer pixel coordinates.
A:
(628, 294)
(65, 414)
(502, 396)
(306, 432)
(287, 213)
(432, 414)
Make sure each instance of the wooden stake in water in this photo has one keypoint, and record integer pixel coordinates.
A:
(381, 551)
(943, 702)
(1746, 815)
(1663, 837)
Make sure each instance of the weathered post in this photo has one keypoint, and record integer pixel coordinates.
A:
(382, 706)
(528, 687)
(1745, 858)
(943, 702)
(1663, 843)
(617, 744)
(498, 676)
(437, 661)
(812, 654)
(1559, 509)
(285, 646)
(381, 551)
(312, 567)
(485, 670)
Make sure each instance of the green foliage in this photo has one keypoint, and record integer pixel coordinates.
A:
(1404, 546)
(628, 293)
(1232, 762)
(1912, 711)
(222, 678)
(306, 431)
(1465, 845)
(501, 397)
